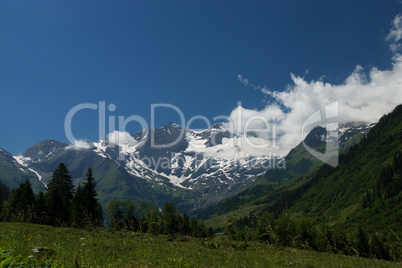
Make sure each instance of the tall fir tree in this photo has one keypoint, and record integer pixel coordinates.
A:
(1, 206)
(59, 196)
(93, 207)
(185, 226)
(28, 196)
(4, 192)
(77, 208)
(40, 208)
(86, 207)
(22, 203)
(169, 219)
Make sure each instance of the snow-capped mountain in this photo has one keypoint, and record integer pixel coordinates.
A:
(12, 173)
(43, 150)
(186, 158)
(191, 168)
(207, 163)
(349, 131)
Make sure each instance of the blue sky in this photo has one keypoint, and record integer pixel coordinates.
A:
(55, 55)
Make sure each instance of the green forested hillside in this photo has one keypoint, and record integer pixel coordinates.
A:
(365, 189)
(298, 160)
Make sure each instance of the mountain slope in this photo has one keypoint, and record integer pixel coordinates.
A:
(364, 189)
(299, 160)
(193, 160)
(193, 169)
(267, 186)
(113, 182)
(167, 164)
(13, 173)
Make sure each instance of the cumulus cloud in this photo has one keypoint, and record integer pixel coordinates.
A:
(361, 98)
(238, 147)
(80, 144)
(121, 138)
(246, 120)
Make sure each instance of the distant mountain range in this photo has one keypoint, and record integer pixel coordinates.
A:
(192, 169)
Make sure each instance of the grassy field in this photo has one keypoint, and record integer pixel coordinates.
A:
(67, 247)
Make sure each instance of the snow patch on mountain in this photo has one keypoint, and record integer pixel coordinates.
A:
(22, 161)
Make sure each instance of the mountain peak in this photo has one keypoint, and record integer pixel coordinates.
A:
(45, 148)
(217, 125)
(316, 137)
(172, 125)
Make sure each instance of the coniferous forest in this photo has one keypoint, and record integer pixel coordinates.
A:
(61, 205)
(353, 209)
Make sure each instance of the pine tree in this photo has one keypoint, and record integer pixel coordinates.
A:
(153, 222)
(193, 225)
(185, 228)
(28, 197)
(77, 207)
(115, 214)
(22, 203)
(130, 215)
(40, 208)
(28, 200)
(61, 179)
(1, 206)
(4, 192)
(59, 196)
(92, 207)
(362, 242)
(57, 211)
(85, 207)
(169, 218)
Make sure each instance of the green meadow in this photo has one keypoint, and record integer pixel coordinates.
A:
(69, 247)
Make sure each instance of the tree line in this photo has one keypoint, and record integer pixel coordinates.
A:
(306, 233)
(148, 218)
(63, 205)
(59, 205)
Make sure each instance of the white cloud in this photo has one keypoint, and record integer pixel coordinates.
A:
(80, 144)
(395, 34)
(242, 80)
(246, 82)
(243, 120)
(361, 98)
(121, 138)
(236, 148)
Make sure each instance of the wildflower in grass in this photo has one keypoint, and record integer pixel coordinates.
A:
(27, 238)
